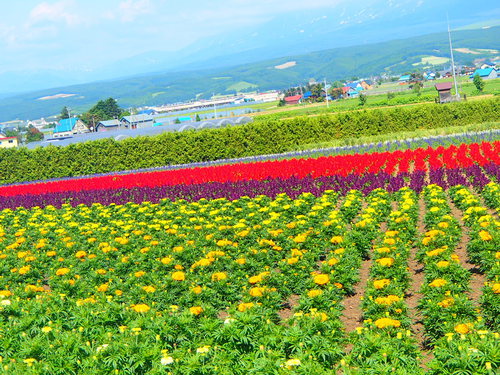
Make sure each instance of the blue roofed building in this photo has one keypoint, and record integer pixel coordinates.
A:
(404, 79)
(489, 73)
(70, 126)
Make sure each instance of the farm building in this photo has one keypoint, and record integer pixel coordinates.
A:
(70, 126)
(404, 79)
(444, 91)
(138, 121)
(489, 73)
(293, 99)
(367, 84)
(8, 142)
(104, 126)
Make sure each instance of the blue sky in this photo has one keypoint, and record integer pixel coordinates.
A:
(82, 34)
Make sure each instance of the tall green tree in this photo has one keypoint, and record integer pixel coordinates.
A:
(64, 113)
(478, 82)
(362, 99)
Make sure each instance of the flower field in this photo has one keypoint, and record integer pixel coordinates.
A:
(380, 263)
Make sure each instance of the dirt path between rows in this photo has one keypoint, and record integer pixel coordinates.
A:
(477, 277)
(413, 294)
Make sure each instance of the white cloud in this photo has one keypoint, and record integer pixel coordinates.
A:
(54, 12)
(129, 10)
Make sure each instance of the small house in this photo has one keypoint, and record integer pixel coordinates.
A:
(8, 142)
(70, 126)
(367, 84)
(138, 121)
(293, 99)
(104, 126)
(404, 79)
(488, 73)
(444, 91)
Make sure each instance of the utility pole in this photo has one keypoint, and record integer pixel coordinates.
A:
(326, 96)
(215, 108)
(457, 93)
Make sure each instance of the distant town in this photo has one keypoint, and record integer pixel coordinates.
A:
(220, 111)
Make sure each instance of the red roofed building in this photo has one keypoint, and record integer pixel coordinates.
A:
(8, 142)
(293, 99)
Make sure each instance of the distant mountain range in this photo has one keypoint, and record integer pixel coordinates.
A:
(328, 25)
(392, 57)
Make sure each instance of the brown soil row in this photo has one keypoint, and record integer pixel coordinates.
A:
(477, 278)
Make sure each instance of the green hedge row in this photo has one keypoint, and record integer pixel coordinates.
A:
(261, 137)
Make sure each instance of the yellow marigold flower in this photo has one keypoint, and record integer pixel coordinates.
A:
(258, 278)
(339, 251)
(22, 254)
(338, 285)
(101, 271)
(314, 293)
(435, 252)
(141, 308)
(62, 271)
(197, 289)
(245, 306)
(257, 291)
(447, 302)
(300, 238)
(496, 288)
(218, 276)
(391, 233)
(292, 363)
(29, 361)
(383, 250)
(332, 261)
(443, 264)
(51, 253)
(455, 258)
(81, 254)
(385, 262)
(497, 255)
(292, 260)
(203, 349)
(178, 249)
(438, 283)
(321, 279)
(241, 260)
(179, 267)
(387, 322)
(389, 300)
(337, 240)
(5, 293)
(118, 292)
(463, 328)
(103, 288)
(389, 241)
(139, 273)
(46, 329)
(243, 233)
(179, 276)
(485, 236)
(443, 225)
(379, 284)
(196, 310)
(149, 289)
(24, 270)
(33, 288)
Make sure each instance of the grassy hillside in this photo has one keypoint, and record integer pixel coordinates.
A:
(393, 57)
